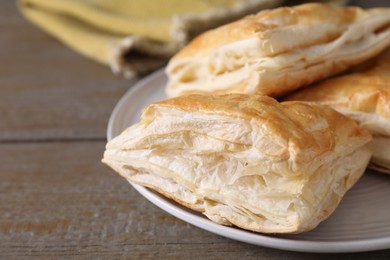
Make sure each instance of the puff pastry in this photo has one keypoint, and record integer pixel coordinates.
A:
(244, 160)
(277, 51)
(365, 97)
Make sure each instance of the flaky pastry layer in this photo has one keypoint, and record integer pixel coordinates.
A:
(363, 96)
(244, 160)
(277, 51)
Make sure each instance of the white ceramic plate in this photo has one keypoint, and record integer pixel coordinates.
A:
(360, 223)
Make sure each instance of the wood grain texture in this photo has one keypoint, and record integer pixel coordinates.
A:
(57, 200)
(47, 90)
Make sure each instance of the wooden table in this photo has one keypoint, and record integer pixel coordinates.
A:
(56, 199)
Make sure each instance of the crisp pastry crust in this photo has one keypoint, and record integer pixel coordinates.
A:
(277, 51)
(244, 160)
(363, 96)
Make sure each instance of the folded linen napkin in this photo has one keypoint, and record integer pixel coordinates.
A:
(134, 36)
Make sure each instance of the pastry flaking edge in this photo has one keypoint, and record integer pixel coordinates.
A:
(141, 159)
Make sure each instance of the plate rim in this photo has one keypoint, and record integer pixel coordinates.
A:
(307, 246)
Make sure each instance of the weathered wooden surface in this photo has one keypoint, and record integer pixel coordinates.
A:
(56, 199)
(47, 90)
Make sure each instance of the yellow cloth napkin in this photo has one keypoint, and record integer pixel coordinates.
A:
(133, 36)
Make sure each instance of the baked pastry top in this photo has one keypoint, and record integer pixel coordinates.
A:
(363, 96)
(244, 160)
(277, 51)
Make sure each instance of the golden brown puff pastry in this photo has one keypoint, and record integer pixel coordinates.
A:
(244, 160)
(365, 97)
(279, 50)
